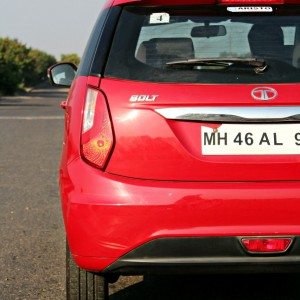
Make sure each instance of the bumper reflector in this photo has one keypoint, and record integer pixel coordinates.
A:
(267, 245)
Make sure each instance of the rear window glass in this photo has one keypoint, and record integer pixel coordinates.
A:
(206, 45)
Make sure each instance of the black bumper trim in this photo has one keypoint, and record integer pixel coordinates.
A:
(203, 255)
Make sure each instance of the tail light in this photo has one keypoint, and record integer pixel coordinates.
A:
(97, 135)
(267, 245)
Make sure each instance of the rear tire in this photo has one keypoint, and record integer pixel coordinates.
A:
(83, 285)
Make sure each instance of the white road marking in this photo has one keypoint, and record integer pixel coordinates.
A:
(30, 118)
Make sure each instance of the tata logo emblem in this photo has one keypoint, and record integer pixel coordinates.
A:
(264, 94)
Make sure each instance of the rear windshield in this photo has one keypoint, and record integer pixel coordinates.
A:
(207, 45)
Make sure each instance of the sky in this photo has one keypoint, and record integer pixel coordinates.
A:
(55, 26)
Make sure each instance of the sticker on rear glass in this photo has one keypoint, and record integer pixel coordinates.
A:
(254, 9)
(159, 18)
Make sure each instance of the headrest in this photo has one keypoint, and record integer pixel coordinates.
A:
(266, 40)
(161, 50)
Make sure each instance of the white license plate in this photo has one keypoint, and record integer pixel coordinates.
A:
(254, 139)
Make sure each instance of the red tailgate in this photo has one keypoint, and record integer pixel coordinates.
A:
(150, 146)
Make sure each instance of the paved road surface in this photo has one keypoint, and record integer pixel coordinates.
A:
(31, 229)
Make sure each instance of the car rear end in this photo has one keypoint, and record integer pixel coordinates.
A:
(182, 142)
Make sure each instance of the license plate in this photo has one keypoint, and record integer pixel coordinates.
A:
(254, 139)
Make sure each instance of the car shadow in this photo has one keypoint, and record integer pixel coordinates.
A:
(225, 287)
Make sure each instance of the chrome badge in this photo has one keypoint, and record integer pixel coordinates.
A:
(264, 93)
(143, 98)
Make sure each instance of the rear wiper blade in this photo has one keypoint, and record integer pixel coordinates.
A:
(258, 64)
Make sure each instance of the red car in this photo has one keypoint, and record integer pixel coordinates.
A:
(182, 141)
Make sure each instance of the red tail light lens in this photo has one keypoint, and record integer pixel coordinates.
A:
(97, 135)
(267, 245)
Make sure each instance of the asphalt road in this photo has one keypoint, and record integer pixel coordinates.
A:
(32, 241)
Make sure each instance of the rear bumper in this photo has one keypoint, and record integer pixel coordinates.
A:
(111, 220)
(202, 255)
